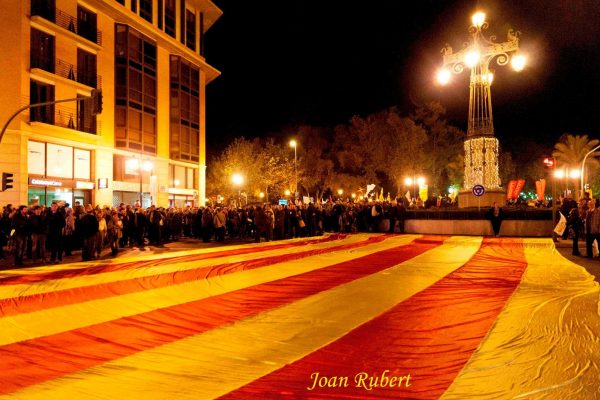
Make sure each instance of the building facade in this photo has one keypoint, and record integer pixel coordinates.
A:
(147, 59)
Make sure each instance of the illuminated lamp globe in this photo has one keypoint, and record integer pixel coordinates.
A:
(443, 76)
(472, 58)
(518, 62)
(478, 19)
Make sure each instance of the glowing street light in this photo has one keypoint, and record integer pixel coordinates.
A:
(238, 179)
(340, 191)
(287, 192)
(294, 144)
(477, 55)
(136, 164)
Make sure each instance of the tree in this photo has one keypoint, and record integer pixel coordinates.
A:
(571, 149)
(444, 143)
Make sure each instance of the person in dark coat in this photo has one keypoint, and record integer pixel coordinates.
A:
(88, 227)
(55, 223)
(574, 221)
(495, 215)
(20, 224)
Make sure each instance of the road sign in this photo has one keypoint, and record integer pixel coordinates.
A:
(478, 190)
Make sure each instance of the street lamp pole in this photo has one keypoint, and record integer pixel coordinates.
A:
(481, 146)
(294, 144)
(583, 165)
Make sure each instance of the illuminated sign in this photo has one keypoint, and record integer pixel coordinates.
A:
(45, 182)
(102, 183)
(84, 185)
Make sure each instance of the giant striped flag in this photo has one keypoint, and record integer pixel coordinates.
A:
(365, 316)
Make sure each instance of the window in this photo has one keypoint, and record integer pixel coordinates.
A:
(135, 91)
(86, 68)
(184, 110)
(160, 14)
(44, 8)
(134, 6)
(190, 29)
(146, 10)
(87, 24)
(42, 50)
(170, 17)
(86, 122)
(40, 93)
(121, 2)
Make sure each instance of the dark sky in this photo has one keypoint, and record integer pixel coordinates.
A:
(321, 62)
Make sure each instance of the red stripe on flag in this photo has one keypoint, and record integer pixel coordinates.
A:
(24, 304)
(34, 361)
(429, 336)
(97, 269)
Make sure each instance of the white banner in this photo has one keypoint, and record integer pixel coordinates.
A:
(559, 229)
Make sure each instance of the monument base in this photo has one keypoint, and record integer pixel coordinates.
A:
(466, 198)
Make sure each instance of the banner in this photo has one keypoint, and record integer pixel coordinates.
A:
(510, 189)
(518, 188)
(559, 229)
(407, 195)
(540, 189)
(423, 192)
(370, 188)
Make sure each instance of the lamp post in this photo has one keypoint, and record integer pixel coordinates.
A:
(413, 181)
(583, 165)
(237, 179)
(481, 147)
(294, 144)
(136, 164)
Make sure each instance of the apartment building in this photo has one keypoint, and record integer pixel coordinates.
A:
(147, 59)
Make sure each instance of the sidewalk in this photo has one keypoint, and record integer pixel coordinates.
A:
(592, 265)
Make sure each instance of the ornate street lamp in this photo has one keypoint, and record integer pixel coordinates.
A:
(481, 146)
(294, 144)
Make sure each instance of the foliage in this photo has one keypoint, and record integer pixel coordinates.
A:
(570, 151)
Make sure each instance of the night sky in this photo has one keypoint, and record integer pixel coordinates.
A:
(320, 62)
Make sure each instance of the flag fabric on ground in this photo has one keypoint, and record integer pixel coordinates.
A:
(365, 316)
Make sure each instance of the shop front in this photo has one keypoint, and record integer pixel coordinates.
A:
(58, 173)
(43, 191)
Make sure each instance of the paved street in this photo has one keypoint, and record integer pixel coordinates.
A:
(364, 315)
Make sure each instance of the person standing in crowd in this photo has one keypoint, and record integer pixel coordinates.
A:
(20, 224)
(259, 223)
(219, 221)
(37, 224)
(114, 230)
(591, 232)
(269, 222)
(574, 222)
(56, 223)
(68, 232)
(101, 235)
(207, 224)
(495, 215)
(88, 229)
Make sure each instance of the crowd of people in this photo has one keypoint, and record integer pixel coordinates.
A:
(46, 234)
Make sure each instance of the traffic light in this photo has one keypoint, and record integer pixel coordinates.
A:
(96, 101)
(549, 162)
(7, 181)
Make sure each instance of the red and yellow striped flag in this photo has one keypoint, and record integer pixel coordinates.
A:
(344, 316)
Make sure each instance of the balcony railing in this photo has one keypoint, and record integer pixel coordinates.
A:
(70, 71)
(69, 22)
(65, 117)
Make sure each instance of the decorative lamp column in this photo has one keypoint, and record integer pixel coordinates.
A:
(481, 146)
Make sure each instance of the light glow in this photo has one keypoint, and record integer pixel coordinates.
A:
(472, 58)
(574, 173)
(421, 181)
(408, 181)
(261, 195)
(443, 76)
(340, 191)
(287, 192)
(518, 62)
(237, 179)
(478, 19)
(293, 143)
(133, 164)
(559, 173)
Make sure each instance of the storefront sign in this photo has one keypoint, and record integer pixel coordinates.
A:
(44, 182)
(84, 185)
(102, 183)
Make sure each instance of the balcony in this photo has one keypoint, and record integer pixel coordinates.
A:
(68, 22)
(64, 116)
(66, 70)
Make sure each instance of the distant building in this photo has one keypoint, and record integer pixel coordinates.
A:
(147, 57)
